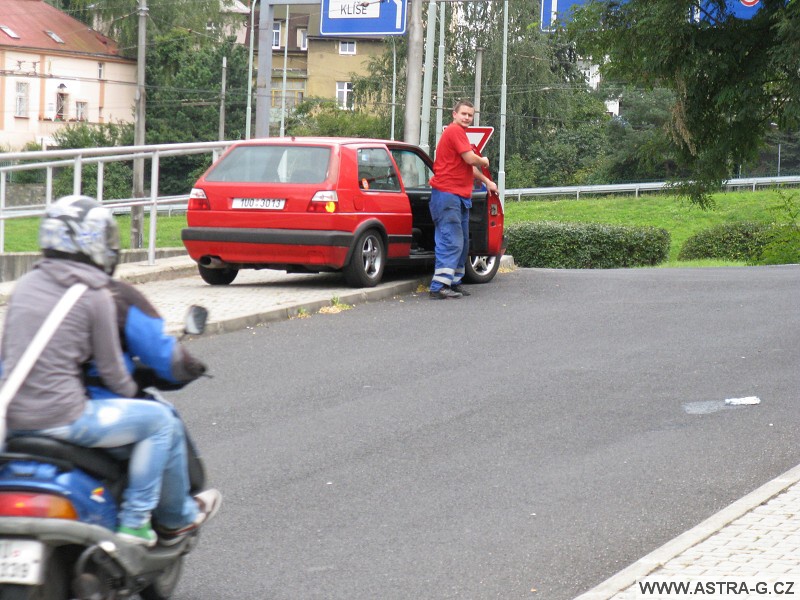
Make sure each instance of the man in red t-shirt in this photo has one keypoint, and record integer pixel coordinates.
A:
(455, 167)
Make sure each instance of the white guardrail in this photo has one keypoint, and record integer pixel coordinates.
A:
(77, 158)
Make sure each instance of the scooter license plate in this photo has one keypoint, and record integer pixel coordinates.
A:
(21, 561)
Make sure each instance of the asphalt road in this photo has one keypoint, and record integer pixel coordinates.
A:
(526, 442)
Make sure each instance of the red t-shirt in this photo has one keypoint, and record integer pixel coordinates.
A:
(450, 172)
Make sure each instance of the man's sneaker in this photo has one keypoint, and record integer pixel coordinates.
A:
(208, 503)
(144, 535)
(460, 289)
(445, 294)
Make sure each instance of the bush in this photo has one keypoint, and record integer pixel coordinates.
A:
(554, 245)
(782, 247)
(743, 241)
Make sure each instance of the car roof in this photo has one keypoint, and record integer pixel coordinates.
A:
(322, 141)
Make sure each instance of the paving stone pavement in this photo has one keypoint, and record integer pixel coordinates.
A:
(757, 538)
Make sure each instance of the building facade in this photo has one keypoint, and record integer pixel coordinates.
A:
(55, 70)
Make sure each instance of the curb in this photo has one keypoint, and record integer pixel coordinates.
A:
(288, 312)
(714, 524)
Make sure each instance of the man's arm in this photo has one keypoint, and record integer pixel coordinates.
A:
(474, 160)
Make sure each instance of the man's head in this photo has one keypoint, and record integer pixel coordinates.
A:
(80, 228)
(463, 113)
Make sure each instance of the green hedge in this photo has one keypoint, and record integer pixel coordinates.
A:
(750, 242)
(743, 241)
(553, 245)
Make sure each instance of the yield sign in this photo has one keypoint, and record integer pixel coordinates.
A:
(479, 136)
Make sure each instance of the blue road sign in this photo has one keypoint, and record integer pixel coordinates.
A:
(363, 17)
(554, 11)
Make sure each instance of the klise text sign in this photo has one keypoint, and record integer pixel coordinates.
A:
(363, 17)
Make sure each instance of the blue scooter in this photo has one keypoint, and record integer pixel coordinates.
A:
(58, 514)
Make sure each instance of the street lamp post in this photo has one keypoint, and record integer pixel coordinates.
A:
(250, 72)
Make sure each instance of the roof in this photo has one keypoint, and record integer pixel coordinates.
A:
(26, 23)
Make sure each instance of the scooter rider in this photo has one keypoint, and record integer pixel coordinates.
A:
(80, 242)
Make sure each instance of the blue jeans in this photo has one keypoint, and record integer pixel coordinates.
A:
(451, 217)
(152, 437)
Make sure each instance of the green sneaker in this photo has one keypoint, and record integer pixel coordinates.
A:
(143, 535)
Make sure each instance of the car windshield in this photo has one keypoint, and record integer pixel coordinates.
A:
(273, 164)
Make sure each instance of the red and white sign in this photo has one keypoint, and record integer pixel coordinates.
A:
(479, 136)
(749, 3)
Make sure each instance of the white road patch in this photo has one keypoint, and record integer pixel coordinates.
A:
(748, 400)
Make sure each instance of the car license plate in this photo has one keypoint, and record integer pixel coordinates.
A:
(21, 561)
(260, 203)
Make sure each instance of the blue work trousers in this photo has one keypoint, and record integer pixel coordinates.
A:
(451, 217)
(152, 437)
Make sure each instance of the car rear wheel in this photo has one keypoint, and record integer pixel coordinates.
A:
(366, 265)
(481, 269)
(218, 276)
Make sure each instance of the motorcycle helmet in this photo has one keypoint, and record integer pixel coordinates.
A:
(80, 228)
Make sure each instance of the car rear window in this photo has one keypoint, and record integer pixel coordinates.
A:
(272, 164)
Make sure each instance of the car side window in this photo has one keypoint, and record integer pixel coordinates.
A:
(413, 169)
(376, 171)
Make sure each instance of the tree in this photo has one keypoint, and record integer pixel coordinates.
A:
(118, 19)
(184, 87)
(732, 78)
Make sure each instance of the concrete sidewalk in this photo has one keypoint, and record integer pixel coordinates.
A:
(756, 539)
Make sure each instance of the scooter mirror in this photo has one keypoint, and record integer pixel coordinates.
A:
(196, 318)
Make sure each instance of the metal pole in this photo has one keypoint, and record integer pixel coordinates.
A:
(264, 79)
(413, 74)
(285, 59)
(222, 99)
(501, 176)
(427, 81)
(478, 77)
(394, 84)
(248, 112)
(440, 78)
(137, 212)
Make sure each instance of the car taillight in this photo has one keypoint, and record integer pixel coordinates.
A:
(324, 201)
(44, 506)
(198, 200)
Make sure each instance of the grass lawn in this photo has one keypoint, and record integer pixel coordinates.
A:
(21, 235)
(679, 217)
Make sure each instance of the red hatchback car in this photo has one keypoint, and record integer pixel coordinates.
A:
(326, 204)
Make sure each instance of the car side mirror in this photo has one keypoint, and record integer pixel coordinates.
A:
(195, 321)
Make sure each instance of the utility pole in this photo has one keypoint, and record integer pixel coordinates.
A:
(440, 78)
(413, 74)
(478, 76)
(137, 212)
(222, 99)
(427, 82)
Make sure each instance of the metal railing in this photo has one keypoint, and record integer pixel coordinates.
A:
(636, 188)
(77, 158)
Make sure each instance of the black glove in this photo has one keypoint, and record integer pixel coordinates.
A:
(194, 367)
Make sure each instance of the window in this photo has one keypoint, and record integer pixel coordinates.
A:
(295, 90)
(302, 39)
(376, 171)
(276, 35)
(101, 70)
(81, 111)
(413, 169)
(344, 94)
(61, 106)
(273, 164)
(9, 32)
(21, 106)
(55, 37)
(347, 47)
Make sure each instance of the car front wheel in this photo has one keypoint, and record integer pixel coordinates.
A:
(481, 269)
(366, 265)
